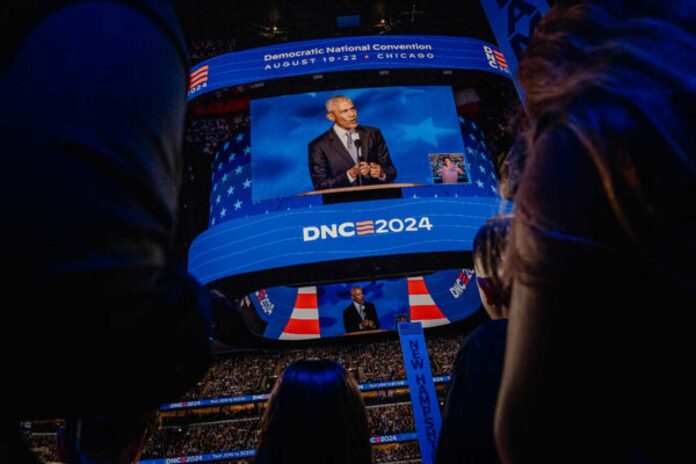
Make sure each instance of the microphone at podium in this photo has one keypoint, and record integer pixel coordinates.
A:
(358, 144)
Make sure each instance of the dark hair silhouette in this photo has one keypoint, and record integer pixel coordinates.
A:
(315, 415)
(590, 370)
(604, 70)
(489, 255)
(113, 437)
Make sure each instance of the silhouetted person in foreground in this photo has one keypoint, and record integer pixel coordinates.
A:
(315, 415)
(92, 99)
(467, 424)
(116, 438)
(603, 243)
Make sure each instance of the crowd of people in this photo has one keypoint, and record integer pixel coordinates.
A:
(201, 439)
(242, 374)
(235, 427)
(397, 452)
(206, 134)
(245, 374)
(229, 435)
(212, 414)
(44, 446)
(201, 50)
(391, 419)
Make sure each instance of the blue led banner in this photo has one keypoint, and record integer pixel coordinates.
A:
(426, 411)
(387, 227)
(248, 453)
(383, 385)
(215, 402)
(224, 456)
(265, 396)
(398, 383)
(344, 54)
(399, 437)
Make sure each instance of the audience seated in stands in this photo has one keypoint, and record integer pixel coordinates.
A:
(201, 50)
(246, 374)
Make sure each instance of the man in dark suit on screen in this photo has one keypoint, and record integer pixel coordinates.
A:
(360, 315)
(348, 155)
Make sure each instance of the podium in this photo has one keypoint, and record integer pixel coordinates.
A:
(361, 193)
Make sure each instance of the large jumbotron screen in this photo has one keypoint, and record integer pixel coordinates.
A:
(289, 229)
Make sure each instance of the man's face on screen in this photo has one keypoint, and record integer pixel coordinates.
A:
(344, 114)
(358, 296)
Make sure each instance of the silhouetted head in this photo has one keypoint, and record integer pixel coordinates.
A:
(619, 75)
(489, 256)
(315, 415)
(108, 438)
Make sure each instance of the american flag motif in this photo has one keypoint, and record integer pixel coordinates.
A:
(500, 59)
(365, 227)
(198, 77)
(231, 184)
(478, 160)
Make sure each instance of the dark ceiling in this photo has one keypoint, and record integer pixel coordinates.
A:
(264, 22)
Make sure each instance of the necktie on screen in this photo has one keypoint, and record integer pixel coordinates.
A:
(352, 149)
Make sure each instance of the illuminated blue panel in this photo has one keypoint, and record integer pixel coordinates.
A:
(303, 236)
(265, 396)
(343, 54)
(383, 439)
(451, 290)
(416, 121)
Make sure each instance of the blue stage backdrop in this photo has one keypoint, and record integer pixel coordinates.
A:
(415, 122)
